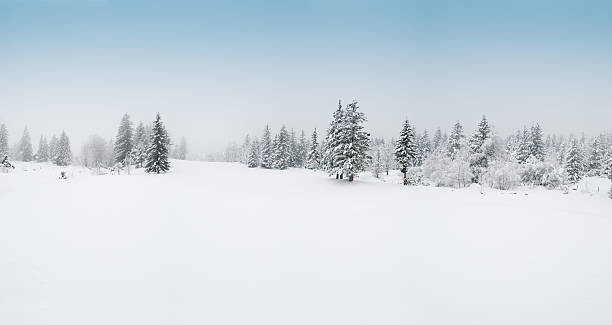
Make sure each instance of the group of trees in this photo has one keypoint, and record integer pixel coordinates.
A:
(454, 159)
(57, 150)
(146, 146)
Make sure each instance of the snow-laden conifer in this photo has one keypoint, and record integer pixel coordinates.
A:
(406, 149)
(332, 142)
(124, 141)
(267, 149)
(282, 149)
(253, 159)
(455, 140)
(157, 153)
(42, 154)
(4, 141)
(574, 164)
(313, 161)
(25, 146)
(63, 153)
(352, 145)
(537, 144)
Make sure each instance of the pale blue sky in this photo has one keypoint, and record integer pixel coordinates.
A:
(217, 70)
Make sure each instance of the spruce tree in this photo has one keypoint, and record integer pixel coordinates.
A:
(253, 160)
(43, 150)
(302, 150)
(351, 154)
(53, 148)
(141, 144)
(282, 153)
(313, 161)
(574, 164)
(537, 143)
(293, 150)
(4, 141)
(157, 153)
(455, 140)
(524, 146)
(63, 155)
(124, 141)
(25, 146)
(406, 149)
(596, 165)
(267, 149)
(479, 160)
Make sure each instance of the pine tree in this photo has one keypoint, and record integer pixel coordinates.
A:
(4, 143)
(267, 149)
(293, 150)
(157, 153)
(63, 155)
(597, 157)
(313, 161)
(574, 164)
(53, 148)
(479, 160)
(282, 153)
(25, 146)
(43, 150)
(353, 143)
(253, 160)
(406, 149)
(141, 144)
(124, 141)
(537, 144)
(302, 150)
(524, 146)
(455, 140)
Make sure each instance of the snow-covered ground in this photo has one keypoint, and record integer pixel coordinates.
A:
(216, 243)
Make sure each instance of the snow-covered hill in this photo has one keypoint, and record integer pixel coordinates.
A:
(217, 243)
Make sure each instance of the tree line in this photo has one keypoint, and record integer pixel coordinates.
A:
(453, 159)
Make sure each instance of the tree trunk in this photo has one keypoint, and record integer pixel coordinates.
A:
(341, 176)
(405, 180)
(337, 176)
(351, 178)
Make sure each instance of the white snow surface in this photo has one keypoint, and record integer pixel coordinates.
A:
(218, 243)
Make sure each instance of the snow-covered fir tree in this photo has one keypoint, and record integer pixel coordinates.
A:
(377, 153)
(524, 146)
(63, 153)
(313, 161)
(537, 145)
(351, 154)
(141, 144)
(254, 150)
(574, 164)
(245, 149)
(53, 148)
(596, 165)
(423, 147)
(302, 150)
(42, 154)
(282, 153)
(479, 158)
(25, 147)
(123, 142)
(406, 149)
(267, 149)
(157, 153)
(4, 141)
(455, 140)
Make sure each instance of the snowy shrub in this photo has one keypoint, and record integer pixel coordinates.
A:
(503, 175)
(554, 177)
(443, 171)
(414, 175)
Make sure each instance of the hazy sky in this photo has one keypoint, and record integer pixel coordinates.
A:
(217, 70)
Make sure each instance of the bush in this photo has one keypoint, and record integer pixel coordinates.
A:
(503, 175)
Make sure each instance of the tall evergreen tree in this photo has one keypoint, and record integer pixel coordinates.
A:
(124, 141)
(4, 141)
(63, 155)
(353, 143)
(157, 154)
(293, 150)
(574, 164)
(53, 148)
(479, 160)
(25, 146)
(313, 161)
(282, 149)
(267, 149)
(302, 150)
(596, 165)
(253, 160)
(141, 144)
(455, 140)
(406, 149)
(524, 146)
(537, 143)
(43, 150)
